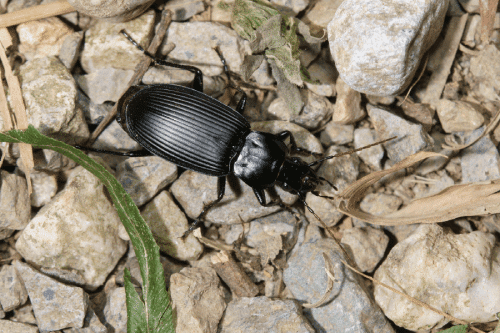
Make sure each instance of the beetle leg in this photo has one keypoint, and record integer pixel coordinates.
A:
(221, 189)
(261, 197)
(329, 183)
(198, 75)
(293, 145)
(137, 153)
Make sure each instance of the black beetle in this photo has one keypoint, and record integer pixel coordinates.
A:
(197, 132)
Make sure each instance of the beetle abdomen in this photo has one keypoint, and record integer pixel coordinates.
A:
(185, 127)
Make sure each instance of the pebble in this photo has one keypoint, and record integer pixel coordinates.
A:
(91, 324)
(420, 114)
(49, 93)
(458, 274)
(115, 11)
(322, 12)
(70, 49)
(371, 156)
(44, 187)
(94, 113)
(347, 109)
(262, 314)
(486, 70)
(411, 137)
(57, 238)
(337, 134)
(13, 327)
(341, 172)
(198, 299)
(290, 7)
(388, 39)
(368, 246)
(349, 308)
(24, 314)
(52, 162)
(42, 38)
(183, 10)
(481, 161)
(168, 223)
(110, 59)
(13, 294)
(115, 311)
(325, 74)
(380, 204)
(459, 116)
(56, 305)
(194, 43)
(144, 177)
(316, 112)
(15, 206)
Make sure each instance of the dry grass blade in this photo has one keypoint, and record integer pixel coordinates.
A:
(455, 201)
(329, 287)
(140, 70)
(413, 300)
(487, 9)
(17, 102)
(35, 13)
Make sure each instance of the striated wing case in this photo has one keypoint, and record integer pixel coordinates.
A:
(185, 127)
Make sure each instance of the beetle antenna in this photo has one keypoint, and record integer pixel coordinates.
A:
(226, 69)
(350, 151)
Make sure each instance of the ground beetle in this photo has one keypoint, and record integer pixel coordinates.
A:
(197, 132)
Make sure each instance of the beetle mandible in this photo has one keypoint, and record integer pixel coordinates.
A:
(198, 132)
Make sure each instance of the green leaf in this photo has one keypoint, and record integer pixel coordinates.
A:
(136, 318)
(157, 313)
(456, 329)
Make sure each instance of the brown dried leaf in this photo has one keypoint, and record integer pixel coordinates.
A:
(482, 198)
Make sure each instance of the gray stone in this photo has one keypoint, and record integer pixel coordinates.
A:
(94, 113)
(459, 273)
(337, 134)
(49, 93)
(410, 137)
(168, 223)
(198, 299)
(115, 311)
(70, 49)
(291, 8)
(51, 161)
(112, 10)
(91, 324)
(24, 314)
(44, 187)
(486, 70)
(15, 209)
(349, 308)
(316, 112)
(325, 74)
(13, 327)
(371, 156)
(481, 161)
(340, 171)
(322, 12)
(348, 109)
(55, 305)
(194, 43)
(262, 314)
(57, 238)
(368, 246)
(106, 84)
(12, 291)
(143, 177)
(183, 10)
(42, 38)
(263, 74)
(388, 38)
(459, 116)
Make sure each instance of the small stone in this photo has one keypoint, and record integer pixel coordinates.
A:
(325, 74)
(13, 327)
(42, 38)
(340, 171)
(459, 116)
(24, 314)
(49, 93)
(420, 113)
(349, 308)
(12, 291)
(337, 134)
(51, 161)
(368, 246)
(15, 5)
(291, 8)
(262, 314)
(347, 109)
(198, 299)
(57, 238)
(44, 187)
(55, 305)
(459, 273)
(322, 12)
(470, 6)
(143, 177)
(481, 161)
(15, 209)
(91, 324)
(371, 156)
(486, 70)
(316, 112)
(94, 113)
(183, 10)
(388, 38)
(194, 43)
(380, 204)
(263, 74)
(168, 223)
(70, 49)
(115, 311)
(410, 137)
